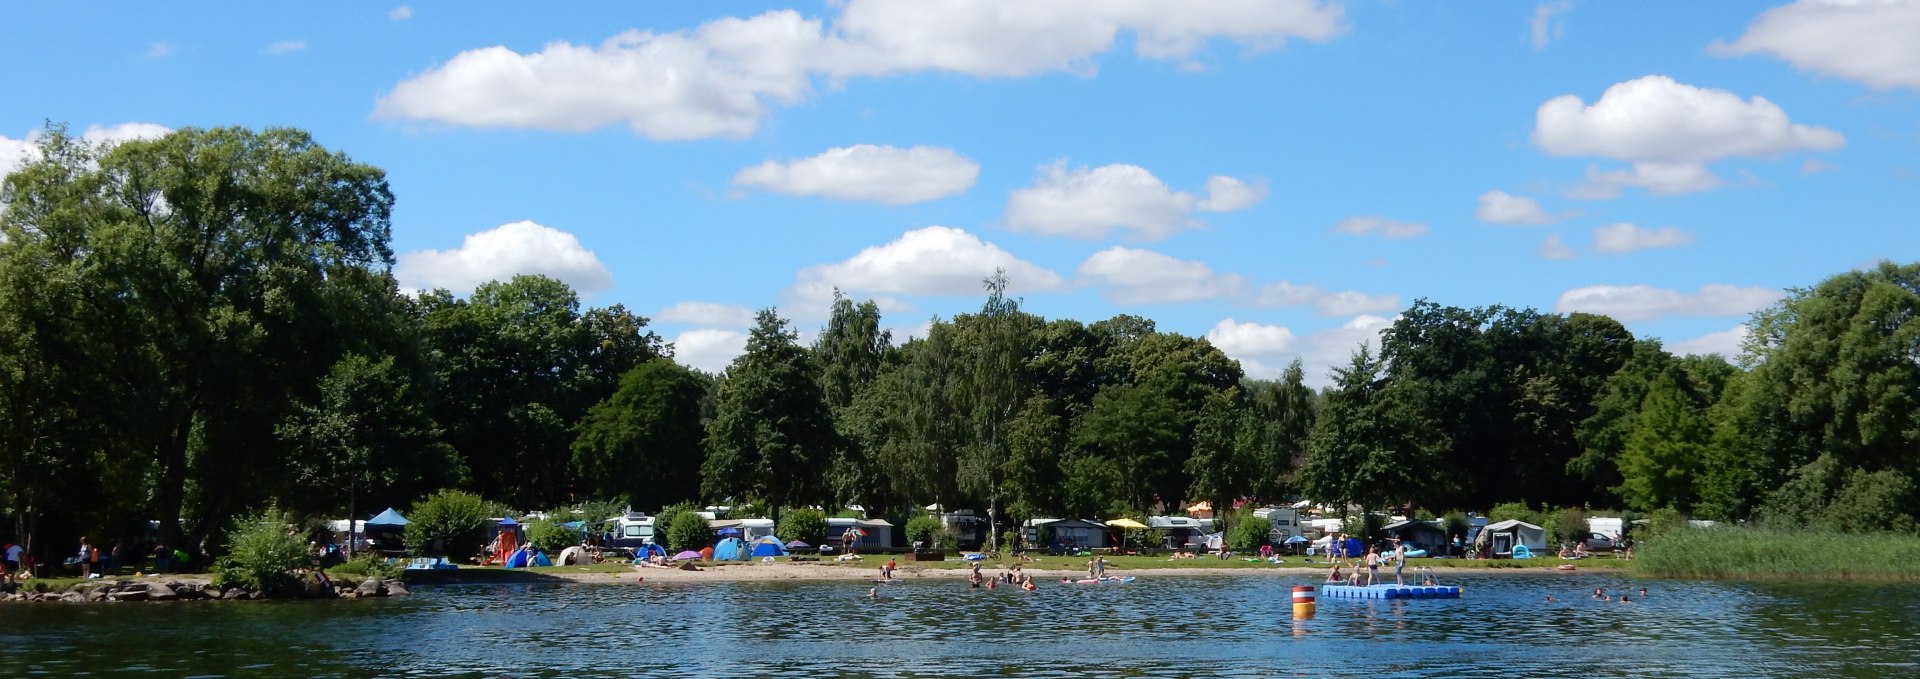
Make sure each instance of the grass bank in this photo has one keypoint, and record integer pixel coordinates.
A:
(1747, 553)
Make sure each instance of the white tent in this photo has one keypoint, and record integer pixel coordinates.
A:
(1504, 535)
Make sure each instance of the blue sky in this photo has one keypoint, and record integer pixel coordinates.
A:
(1281, 176)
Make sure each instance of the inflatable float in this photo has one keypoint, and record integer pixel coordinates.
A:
(1109, 580)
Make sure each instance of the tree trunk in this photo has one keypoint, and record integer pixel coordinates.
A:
(169, 490)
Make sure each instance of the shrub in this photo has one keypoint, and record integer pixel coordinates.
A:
(450, 523)
(1455, 524)
(688, 530)
(263, 554)
(552, 535)
(1570, 525)
(1247, 532)
(925, 531)
(367, 566)
(1517, 510)
(804, 524)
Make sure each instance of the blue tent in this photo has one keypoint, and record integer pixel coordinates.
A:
(519, 558)
(388, 518)
(647, 550)
(730, 549)
(768, 546)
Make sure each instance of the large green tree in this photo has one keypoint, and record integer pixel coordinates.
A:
(644, 443)
(769, 440)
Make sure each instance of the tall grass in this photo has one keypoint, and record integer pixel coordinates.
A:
(1751, 553)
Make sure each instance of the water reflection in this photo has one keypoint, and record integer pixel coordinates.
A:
(1234, 626)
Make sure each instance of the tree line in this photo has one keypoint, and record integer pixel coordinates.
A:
(200, 326)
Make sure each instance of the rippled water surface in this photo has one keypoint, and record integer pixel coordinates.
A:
(1169, 626)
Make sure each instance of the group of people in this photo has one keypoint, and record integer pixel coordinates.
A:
(1374, 559)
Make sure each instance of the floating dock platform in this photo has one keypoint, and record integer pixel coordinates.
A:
(1388, 592)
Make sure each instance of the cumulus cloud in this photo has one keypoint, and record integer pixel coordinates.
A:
(401, 13)
(1325, 303)
(1669, 131)
(936, 260)
(1380, 226)
(864, 172)
(719, 79)
(1133, 276)
(1545, 29)
(707, 313)
(1249, 339)
(1091, 203)
(1816, 166)
(285, 46)
(1624, 237)
(502, 252)
(1647, 303)
(1555, 248)
(1500, 207)
(159, 50)
(709, 350)
(1322, 351)
(1727, 343)
(1868, 41)
(15, 153)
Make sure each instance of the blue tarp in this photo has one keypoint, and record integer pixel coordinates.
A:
(388, 518)
(769, 546)
(730, 549)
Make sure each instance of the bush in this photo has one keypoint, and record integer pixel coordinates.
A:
(552, 535)
(1247, 533)
(1456, 525)
(263, 554)
(688, 530)
(925, 531)
(1570, 525)
(448, 523)
(804, 524)
(1517, 510)
(367, 566)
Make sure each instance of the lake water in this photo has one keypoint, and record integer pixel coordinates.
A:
(1225, 625)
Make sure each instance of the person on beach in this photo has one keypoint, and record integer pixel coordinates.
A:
(1373, 565)
(86, 560)
(1399, 561)
(888, 569)
(12, 564)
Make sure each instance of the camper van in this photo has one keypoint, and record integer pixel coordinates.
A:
(632, 531)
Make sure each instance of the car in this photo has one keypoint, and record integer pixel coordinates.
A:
(1599, 542)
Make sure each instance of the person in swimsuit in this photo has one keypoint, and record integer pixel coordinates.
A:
(1373, 565)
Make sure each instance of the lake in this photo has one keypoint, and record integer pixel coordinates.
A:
(1227, 625)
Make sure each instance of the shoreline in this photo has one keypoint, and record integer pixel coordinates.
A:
(783, 571)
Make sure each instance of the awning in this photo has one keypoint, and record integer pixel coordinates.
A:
(873, 523)
(1127, 523)
(723, 523)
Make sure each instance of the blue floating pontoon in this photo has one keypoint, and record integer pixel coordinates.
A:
(1388, 592)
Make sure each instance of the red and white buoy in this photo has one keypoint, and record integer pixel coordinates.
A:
(1302, 603)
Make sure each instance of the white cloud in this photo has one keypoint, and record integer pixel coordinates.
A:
(401, 13)
(1381, 226)
(1133, 276)
(285, 46)
(1624, 237)
(1669, 131)
(1544, 28)
(501, 253)
(1661, 179)
(15, 153)
(1249, 339)
(1870, 41)
(707, 313)
(1336, 303)
(1646, 303)
(718, 79)
(159, 50)
(864, 172)
(1091, 203)
(1500, 207)
(1555, 248)
(934, 260)
(1816, 166)
(1228, 194)
(1726, 343)
(1323, 351)
(709, 350)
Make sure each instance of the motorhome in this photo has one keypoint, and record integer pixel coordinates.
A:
(632, 530)
(1283, 523)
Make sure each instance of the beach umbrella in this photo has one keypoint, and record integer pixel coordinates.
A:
(1294, 540)
(685, 555)
(1127, 523)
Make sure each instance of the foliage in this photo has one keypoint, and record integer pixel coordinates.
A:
(1517, 510)
(1368, 446)
(368, 434)
(449, 523)
(805, 524)
(770, 437)
(552, 534)
(1247, 533)
(1456, 525)
(367, 565)
(264, 554)
(1752, 553)
(685, 529)
(1570, 525)
(643, 441)
(924, 531)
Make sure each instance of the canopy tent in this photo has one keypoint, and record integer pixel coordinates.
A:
(730, 549)
(388, 518)
(797, 544)
(769, 546)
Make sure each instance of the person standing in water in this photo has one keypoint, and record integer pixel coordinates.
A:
(1373, 565)
(1399, 561)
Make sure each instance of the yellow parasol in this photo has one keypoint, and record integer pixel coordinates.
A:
(1127, 523)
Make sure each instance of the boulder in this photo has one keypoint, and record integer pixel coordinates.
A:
(159, 592)
(234, 594)
(73, 597)
(130, 594)
(191, 593)
(395, 588)
(99, 594)
(368, 587)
